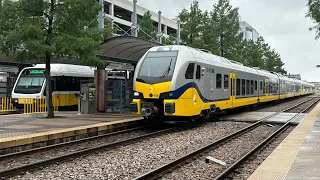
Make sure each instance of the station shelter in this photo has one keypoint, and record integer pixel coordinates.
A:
(115, 90)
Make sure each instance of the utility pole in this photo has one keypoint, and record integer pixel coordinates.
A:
(134, 29)
(159, 28)
(101, 15)
(178, 32)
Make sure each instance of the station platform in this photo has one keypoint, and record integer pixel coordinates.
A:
(255, 116)
(297, 156)
(22, 129)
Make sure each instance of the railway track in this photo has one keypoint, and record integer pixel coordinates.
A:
(10, 171)
(158, 172)
(268, 140)
(7, 172)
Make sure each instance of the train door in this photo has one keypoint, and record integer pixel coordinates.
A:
(267, 89)
(232, 89)
(200, 78)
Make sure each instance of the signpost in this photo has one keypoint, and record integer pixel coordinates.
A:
(11, 69)
(121, 66)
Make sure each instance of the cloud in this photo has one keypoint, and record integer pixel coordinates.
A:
(282, 23)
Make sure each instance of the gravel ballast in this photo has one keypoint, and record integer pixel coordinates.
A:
(128, 161)
(249, 166)
(228, 153)
(280, 106)
(47, 154)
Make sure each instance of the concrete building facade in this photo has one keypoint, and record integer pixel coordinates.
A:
(121, 11)
(249, 33)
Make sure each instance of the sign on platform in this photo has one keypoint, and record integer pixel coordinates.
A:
(121, 66)
(116, 66)
(12, 69)
(128, 67)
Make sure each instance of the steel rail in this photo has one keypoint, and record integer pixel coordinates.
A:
(68, 143)
(232, 167)
(153, 174)
(68, 156)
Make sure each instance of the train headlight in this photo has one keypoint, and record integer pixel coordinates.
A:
(136, 94)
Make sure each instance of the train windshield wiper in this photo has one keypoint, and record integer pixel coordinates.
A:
(166, 72)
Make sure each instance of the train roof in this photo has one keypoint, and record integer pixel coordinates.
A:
(207, 56)
(68, 70)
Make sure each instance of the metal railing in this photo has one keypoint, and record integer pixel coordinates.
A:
(38, 105)
(30, 105)
(6, 104)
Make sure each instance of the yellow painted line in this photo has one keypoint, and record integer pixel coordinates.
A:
(61, 133)
(279, 162)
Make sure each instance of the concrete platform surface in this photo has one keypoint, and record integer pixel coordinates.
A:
(297, 156)
(36, 127)
(255, 116)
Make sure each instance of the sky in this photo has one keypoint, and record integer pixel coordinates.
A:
(282, 23)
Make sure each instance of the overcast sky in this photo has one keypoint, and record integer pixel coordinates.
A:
(281, 22)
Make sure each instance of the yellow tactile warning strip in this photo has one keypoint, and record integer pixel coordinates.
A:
(61, 133)
(278, 164)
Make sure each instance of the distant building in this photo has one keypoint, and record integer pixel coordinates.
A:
(317, 84)
(249, 33)
(121, 11)
(295, 76)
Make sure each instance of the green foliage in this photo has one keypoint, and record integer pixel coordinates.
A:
(72, 31)
(219, 32)
(8, 23)
(40, 29)
(170, 40)
(192, 24)
(147, 30)
(259, 54)
(223, 29)
(314, 14)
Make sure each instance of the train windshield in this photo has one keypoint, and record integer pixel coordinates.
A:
(157, 67)
(30, 81)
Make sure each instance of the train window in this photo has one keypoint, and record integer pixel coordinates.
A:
(226, 81)
(243, 87)
(252, 87)
(264, 87)
(198, 72)
(190, 71)
(248, 87)
(260, 85)
(218, 81)
(255, 85)
(238, 87)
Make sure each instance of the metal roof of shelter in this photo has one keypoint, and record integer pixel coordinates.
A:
(126, 49)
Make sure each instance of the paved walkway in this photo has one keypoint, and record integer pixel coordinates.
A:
(22, 124)
(298, 156)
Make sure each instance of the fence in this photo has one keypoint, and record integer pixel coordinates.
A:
(6, 104)
(29, 105)
(38, 105)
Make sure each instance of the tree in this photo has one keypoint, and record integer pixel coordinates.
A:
(46, 28)
(192, 24)
(222, 33)
(314, 14)
(219, 32)
(147, 30)
(252, 54)
(170, 40)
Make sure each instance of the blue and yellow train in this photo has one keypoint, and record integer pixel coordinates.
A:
(180, 81)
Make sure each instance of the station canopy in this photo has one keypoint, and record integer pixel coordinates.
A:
(125, 49)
